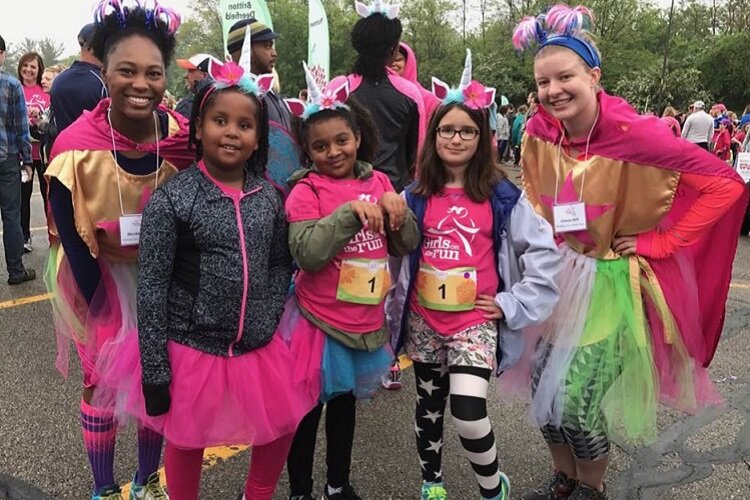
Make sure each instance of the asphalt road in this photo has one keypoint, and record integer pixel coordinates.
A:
(42, 456)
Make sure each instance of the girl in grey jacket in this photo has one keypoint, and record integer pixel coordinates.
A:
(215, 271)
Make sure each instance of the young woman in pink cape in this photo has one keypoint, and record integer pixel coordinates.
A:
(405, 65)
(103, 169)
(647, 236)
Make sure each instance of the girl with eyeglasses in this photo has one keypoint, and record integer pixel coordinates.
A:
(485, 267)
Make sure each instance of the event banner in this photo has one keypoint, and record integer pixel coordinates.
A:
(232, 11)
(318, 46)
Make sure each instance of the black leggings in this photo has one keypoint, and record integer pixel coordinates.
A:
(340, 422)
(27, 189)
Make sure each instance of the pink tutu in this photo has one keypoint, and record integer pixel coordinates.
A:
(340, 369)
(250, 399)
(113, 301)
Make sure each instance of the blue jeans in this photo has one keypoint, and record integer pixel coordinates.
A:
(10, 209)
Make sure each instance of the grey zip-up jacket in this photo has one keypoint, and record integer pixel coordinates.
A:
(214, 270)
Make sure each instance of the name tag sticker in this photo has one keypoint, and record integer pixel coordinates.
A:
(569, 217)
(130, 229)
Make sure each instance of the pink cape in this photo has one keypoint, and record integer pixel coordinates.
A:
(706, 267)
(91, 132)
(430, 100)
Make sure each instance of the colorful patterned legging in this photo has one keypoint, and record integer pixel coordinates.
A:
(584, 427)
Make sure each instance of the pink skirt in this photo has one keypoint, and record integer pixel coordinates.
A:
(251, 399)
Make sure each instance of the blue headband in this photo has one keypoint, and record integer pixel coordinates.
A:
(580, 47)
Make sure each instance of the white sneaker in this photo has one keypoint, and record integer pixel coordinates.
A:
(152, 490)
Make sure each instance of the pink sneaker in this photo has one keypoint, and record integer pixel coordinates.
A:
(392, 380)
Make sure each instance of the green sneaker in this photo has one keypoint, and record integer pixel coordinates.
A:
(152, 490)
(433, 491)
(504, 489)
(108, 493)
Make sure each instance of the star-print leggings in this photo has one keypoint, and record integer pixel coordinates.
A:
(467, 388)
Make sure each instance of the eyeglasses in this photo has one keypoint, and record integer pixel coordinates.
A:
(466, 133)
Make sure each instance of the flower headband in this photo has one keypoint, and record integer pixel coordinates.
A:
(317, 99)
(470, 93)
(564, 27)
(377, 7)
(230, 74)
(154, 11)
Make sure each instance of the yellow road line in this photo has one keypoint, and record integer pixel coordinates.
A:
(739, 285)
(25, 300)
(211, 457)
(404, 362)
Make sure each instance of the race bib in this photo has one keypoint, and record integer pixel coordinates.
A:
(451, 290)
(130, 230)
(363, 281)
(569, 217)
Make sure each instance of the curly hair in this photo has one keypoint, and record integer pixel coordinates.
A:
(375, 38)
(257, 162)
(28, 57)
(116, 27)
(357, 117)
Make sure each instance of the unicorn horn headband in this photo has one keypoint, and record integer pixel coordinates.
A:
(230, 74)
(470, 93)
(561, 25)
(377, 7)
(318, 99)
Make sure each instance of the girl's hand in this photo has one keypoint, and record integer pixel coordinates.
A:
(486, 304)
(624, 245)
(369, 215)
(394, 207)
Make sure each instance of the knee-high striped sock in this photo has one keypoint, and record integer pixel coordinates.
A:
(432, 394)
(468, 393)
(99, 434)
(149, 453)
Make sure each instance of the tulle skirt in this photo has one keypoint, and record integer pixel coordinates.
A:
(90, 327)
(340, 368)
(252, 399)
(611, 342)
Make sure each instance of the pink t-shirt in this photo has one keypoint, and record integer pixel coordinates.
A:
(37, 102)
(338, 293)
(458, 262)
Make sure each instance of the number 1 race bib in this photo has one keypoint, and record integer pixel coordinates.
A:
(363, 281)
(451, 290)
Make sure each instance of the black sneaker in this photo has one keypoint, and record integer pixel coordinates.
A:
(27, 247)
(557, 487)
(26, 275)
(346, 493)
(586, 492)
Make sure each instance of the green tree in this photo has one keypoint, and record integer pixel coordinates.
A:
(725, 72)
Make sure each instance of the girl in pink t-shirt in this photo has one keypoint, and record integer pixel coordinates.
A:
(486, 265)
(344, 221)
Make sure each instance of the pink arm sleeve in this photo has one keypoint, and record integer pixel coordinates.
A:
(716, 195)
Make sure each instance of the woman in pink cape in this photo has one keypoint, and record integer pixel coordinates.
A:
(647, 236)
(103, 169)
(405, 65)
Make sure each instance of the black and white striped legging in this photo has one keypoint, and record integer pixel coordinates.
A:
(467, 388)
